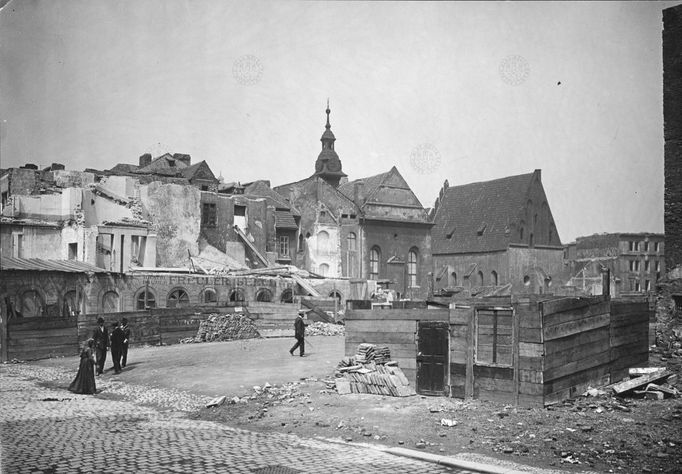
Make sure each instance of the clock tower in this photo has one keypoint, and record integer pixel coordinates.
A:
(328, 164)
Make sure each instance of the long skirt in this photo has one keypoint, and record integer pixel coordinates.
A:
(85, 379)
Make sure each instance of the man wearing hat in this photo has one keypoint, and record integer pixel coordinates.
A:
(101, 337)
(299, 333)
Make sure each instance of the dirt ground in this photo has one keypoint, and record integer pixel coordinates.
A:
(296, 395)
(603, 433)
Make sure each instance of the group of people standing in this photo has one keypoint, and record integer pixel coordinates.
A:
(94, 354)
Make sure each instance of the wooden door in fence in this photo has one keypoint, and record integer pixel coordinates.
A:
(432, 358)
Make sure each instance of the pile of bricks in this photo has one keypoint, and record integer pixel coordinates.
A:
(225, 327)
(319, 328)
(367, 373)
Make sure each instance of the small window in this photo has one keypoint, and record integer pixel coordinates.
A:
(453, 278)
(70, 304)
(493, 278)
(480, 278)
(656, 247)
(647, 285)
(300, 242)
(530, 240)
(521, 234)
(146, 300)
(526, 280)
(287, 296)
(73, 251)
(494, 337)
(178, 299)
(237, 296)
(646, 265)
(208, 214)
(204, 187)
(283, 245)
(351, 241)
(264, 295)
(646, 246)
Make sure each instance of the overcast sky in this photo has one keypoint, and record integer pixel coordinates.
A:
(458, 91)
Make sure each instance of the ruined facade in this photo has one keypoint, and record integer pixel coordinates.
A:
(495, 234)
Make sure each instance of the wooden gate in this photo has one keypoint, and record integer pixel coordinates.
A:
(432, 358)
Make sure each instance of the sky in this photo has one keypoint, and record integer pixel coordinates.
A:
(456, 91)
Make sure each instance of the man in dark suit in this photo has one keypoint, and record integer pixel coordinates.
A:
(117, 338)
(299, 334)
(126, 341)
(101, 337)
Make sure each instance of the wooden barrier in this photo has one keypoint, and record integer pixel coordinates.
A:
(628, 335)
(42, 337)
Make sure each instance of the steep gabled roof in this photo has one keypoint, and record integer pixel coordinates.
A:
(163, 165)
(369, 185)
(123, 168)
(262, 189)
(199, 170)
(477, 217)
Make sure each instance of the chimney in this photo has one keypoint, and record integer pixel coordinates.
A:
(145, 160)
(358, 193)
(186, 159)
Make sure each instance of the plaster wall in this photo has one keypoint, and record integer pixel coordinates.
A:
(98, 210)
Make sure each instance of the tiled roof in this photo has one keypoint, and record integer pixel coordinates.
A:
(476, 217)
(123, 168)
(262, 189)
(285, 220)
(370, 185)
(40, 265)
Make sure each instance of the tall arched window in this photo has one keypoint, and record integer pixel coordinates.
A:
(178, 298)
(351, 240)
(237, 296)
(322, 242)
(374, 256)
(70, 306)
(530, 240)
(146, 300)
(300, 242)
(453, 278)
(493, 277)
(480, 278)
(287, 296)
(412, 268)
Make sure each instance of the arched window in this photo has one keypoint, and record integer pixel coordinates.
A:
(521, 234)
(178, 298)
(110, 302)
(336, 294)
(264, 295)
(300, 242)
(493, 277)
(526, 280)
(530, 240)
(146, 300)
(322, 242)
(480, 278)
(31, 304)
(287, 296)
(324, 269)
(351, 241)
(237, 296)
(208, 296)
(453, 277)
(374, 257)
(70, 305)
(412, 268)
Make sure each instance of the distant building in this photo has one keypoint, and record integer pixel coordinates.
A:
(635, 261)
(372, 228)
(170, 169)
(494, 234)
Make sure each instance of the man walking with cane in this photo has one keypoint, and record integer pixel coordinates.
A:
(299, 334)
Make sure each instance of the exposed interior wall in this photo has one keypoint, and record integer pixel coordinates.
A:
(535, 263)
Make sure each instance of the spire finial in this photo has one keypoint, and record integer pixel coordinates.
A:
(328, 112)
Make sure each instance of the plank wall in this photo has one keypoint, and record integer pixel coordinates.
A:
(577, 351)
(395, 328)
(41, 337)
(629, 336)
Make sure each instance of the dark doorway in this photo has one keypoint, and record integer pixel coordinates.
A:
(432, 358)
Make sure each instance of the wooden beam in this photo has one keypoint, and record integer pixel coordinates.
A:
(628, 385)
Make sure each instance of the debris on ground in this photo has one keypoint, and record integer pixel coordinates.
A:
(654, 383)
(371, 371)
(319, 328)
(224, 327)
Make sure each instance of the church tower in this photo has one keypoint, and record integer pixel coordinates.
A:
(328, 164)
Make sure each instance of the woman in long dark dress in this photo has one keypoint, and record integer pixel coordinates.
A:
(85, 379)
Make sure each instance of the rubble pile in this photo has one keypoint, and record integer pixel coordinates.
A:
(319, 328)
(371, 371)
(655, 383)
(224, 327)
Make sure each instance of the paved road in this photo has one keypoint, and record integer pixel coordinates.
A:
(44, 428)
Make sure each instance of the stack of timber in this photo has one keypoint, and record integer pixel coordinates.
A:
(377, 377)
(655, 383)
(225, 327)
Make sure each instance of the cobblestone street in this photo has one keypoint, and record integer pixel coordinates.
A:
(45, 428)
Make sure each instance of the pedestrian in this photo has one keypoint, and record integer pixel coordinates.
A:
(85, 378)
(299, 334)
(101, 337)
(126, 333)
(117, 338)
